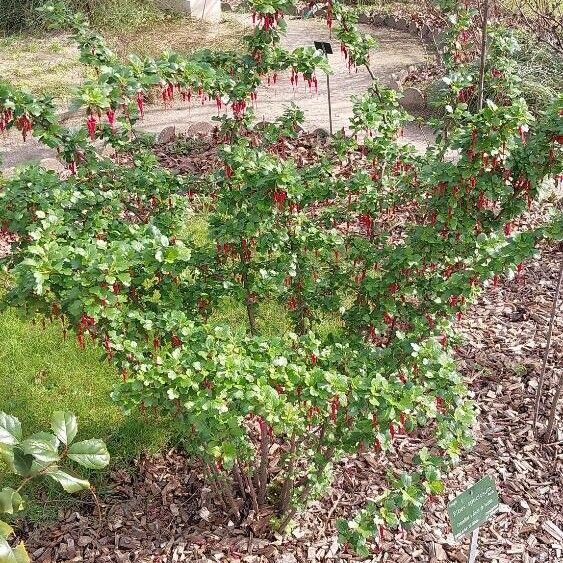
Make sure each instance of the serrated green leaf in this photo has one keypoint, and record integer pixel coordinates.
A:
(89, 453)
(10, 501)
(64, 426)
(10, 430)
(43, 446)
(68, 482)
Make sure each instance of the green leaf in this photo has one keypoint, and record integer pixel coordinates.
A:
(43, 446)
(10, 501)
(65, 426)
(6, 553)
(5, 530)
(68, 482)
(89, 453)
(22, 462)
(10, 430)
(16, 555)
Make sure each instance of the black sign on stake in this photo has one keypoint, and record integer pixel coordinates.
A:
(326, 48)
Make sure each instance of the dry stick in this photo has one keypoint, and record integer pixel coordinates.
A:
(553, 411)
(547, 348)
(483, 53)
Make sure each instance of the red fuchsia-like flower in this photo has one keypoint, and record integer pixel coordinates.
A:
(141, 103)
(176, 342)
(279, 198)
(91, 124)
(23, 123)
(314, 359)
(334, 406)
(387, 319)
(110, 113)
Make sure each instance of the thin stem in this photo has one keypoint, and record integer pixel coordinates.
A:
(263, 470)
(98, 507)
(547, 349)
(484, 30)
(287, 488)
(249, 301)
(553, 411)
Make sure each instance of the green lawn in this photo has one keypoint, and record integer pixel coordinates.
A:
(41, 373)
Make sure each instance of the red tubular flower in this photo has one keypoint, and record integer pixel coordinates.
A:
(279, 198)
(111, 117)
(23, 123)
(91, 125)
(141, 103)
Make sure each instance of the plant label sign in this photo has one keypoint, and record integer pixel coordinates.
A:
(473, 507)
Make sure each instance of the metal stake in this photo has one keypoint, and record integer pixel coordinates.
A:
(329, 105)
(473, 546)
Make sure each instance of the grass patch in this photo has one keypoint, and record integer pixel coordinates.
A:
(42, 65)
(184, 35)
(41, 373)
(49, 64)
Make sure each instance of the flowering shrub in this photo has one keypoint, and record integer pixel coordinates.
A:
(43, 454)
(367, 251)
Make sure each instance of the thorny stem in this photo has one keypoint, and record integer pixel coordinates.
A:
(547, 349)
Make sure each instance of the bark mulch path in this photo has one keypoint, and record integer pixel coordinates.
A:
(160, 512)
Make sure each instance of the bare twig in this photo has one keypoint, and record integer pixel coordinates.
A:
(547, 349)
(553, 411)
(483, 60)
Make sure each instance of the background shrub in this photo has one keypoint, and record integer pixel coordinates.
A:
(21, 15)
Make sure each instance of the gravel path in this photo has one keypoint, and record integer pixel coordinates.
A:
(396, 50)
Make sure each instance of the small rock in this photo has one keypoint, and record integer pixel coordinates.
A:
(201, 129)
(378, 19)
(364, 18)
(425, 31)
(413, 99)
(390, 21)
(226, 7)
(402, 24)
(413, 28)
(166, 135)
(52, 164)
(320, 133)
